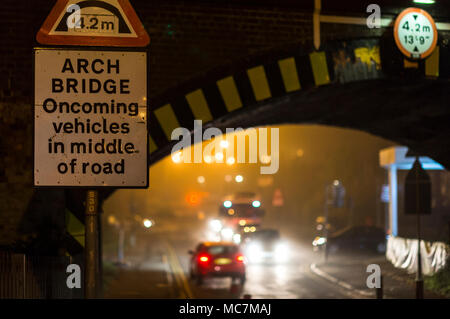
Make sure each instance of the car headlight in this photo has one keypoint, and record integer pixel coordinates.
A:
(227, 233)
(281, 252)
(318, 241)
(216, 225)
(254, 252)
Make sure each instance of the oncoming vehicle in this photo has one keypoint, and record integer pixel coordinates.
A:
(265, 246)
(217, 259)
(238, 214)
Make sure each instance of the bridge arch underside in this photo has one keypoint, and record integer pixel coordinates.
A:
(410, 112)
(364, 84)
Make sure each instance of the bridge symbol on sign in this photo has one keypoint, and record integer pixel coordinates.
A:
(93, 23)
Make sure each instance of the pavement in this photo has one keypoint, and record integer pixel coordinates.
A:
(350, 272)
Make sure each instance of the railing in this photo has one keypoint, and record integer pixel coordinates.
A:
(35, 277)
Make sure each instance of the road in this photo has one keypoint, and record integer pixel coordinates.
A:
(159, 269)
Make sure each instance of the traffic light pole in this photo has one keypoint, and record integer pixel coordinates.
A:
(91, 244)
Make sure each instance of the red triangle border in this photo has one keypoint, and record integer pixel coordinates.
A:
(142, 39)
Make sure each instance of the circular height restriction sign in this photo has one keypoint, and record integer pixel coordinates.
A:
(415, 33)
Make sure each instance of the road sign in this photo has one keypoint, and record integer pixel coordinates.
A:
(90, 118)
(417, 191)
(415, 33)
(93, 23)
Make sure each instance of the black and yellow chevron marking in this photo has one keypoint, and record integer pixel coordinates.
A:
(265, 79)
(75, 229)
(229, 93)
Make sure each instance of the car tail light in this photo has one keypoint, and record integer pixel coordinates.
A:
(240, 258)
(203, 258)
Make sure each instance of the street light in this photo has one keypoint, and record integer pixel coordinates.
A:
(230, 160)
(224, 144)
(239, 179)
(208, 159)
(147, 223)
(176, 158)
(201, 179)
(219, 157)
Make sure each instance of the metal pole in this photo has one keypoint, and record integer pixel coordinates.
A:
(121, 244)
(326, 224)
(91, 249)
(379, 291)
(24, 276)
(100, 256)
(419, 279)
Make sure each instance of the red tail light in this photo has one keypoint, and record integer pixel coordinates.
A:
(240, 258)
(203, 258)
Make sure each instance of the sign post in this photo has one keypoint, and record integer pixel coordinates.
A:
(418, 201)
(91, 243)
(90, 111)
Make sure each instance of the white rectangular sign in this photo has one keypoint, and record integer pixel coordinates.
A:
(90, 118)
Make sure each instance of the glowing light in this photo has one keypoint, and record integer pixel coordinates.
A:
(424, 1)
(216, 225)
(201, 179)
(227, 233)
(219, 157)
(246, 229)
(193, 198)
(147, 223)
(237, 238)
(176, 157)
(254, 252)
(204, 259)
(208, 159)
(252, 229)
(242, 222)
(281, 252)
(239, 179)
(227, 203)
(319, 241)
(336, 182)
(224, 144)
(111, 220)
(231, 160)
(256, 203)
(300, 152)
(265, 159)
(228, 178)
(231, 211)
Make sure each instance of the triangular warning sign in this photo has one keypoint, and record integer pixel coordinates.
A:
(93, 23)
(415, 16)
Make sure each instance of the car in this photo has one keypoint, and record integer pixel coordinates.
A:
(354, 238)
(264, 246)
(217, 259)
